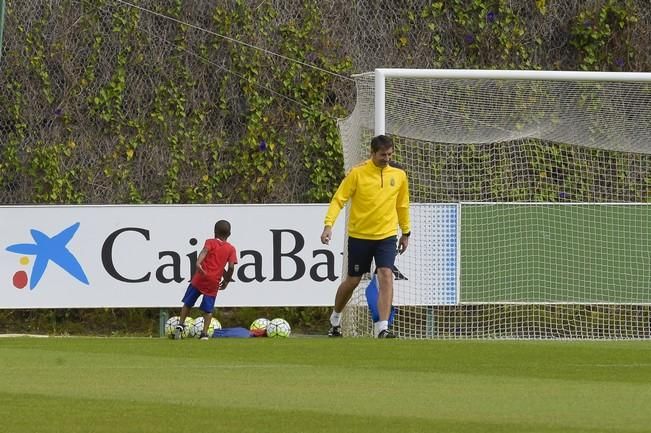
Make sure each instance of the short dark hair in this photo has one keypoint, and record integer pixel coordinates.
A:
(381, 142)
(222, 229)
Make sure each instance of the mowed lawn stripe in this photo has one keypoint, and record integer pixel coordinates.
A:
(505, 386)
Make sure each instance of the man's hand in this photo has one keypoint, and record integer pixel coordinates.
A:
(403, 243)
(326, 235)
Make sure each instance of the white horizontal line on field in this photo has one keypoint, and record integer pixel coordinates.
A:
(633, 365)
(23, 335)
(65, 364)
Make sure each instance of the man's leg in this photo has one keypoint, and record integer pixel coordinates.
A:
(385, 300)
(344, 293)
(385, 297)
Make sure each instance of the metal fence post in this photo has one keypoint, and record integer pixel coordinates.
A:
(2, 23)
(162, 318)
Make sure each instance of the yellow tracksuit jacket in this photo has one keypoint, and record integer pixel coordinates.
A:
(379, 201)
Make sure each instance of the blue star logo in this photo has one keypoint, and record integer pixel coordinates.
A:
(47, 249)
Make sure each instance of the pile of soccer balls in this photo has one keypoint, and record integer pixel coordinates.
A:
(193, 327)
(259, 328)
(270, 328)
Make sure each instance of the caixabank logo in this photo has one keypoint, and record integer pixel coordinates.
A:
(42, 252)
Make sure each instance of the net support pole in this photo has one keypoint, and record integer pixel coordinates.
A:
(380, 120)
(2, 23)
(162, 318)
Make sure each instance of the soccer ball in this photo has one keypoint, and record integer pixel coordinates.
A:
(170, 326)
(259, 327)
(197, 327)
(278, 328)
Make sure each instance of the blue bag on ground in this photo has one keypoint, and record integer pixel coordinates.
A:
(372, 293)
(231, 333)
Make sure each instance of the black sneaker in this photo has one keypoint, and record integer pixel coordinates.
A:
(386, 334)
(178, 332)
(335, 331)
(203, 336)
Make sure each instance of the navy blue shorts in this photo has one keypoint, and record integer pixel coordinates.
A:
(362, 251)
(192, 294)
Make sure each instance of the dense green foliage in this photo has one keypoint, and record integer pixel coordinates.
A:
(236, 102)
(128, 108)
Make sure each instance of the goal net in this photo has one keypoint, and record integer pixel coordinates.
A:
(530, 199)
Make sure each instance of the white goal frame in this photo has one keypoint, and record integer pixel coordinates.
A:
(381, 74)
(434, 310)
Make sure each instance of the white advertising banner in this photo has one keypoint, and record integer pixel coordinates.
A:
(429, 269)
(143, 255)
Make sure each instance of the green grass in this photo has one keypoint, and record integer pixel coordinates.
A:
(321, 385)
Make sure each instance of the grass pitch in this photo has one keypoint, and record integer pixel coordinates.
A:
(322, 385)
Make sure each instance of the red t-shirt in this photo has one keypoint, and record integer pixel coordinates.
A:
(218, 254)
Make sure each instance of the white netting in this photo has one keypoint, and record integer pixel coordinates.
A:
(530, 206)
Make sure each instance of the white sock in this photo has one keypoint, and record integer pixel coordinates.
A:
(380, 326)
(335, 319)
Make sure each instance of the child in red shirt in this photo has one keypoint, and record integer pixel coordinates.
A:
(214, 270)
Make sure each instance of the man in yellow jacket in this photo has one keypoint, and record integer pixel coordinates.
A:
(379, 203)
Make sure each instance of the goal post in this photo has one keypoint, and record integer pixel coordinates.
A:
(530, 199)
(382, 74)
